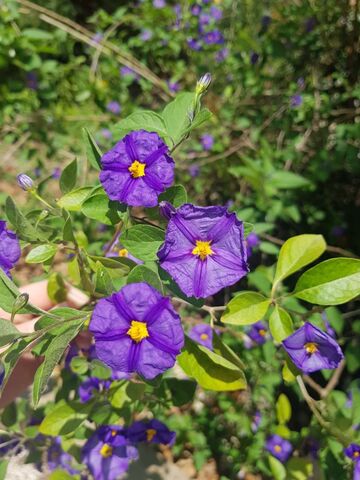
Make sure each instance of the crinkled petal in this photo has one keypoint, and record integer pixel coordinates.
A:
(152, 361)
(107, 317)
(115, 353)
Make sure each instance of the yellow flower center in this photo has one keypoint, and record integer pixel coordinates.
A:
(202, 249)
(150, 434)
(113, 433)
(138, 331)
(137, 169)
(123, 252)
(277, 448)
(356, 454)
(262, 332)
(106, 450)
(311, 347)
(204, 336)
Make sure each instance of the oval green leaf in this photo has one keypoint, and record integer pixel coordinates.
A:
(143, 241)
(41, 253)
(246, 308)
(280, 324)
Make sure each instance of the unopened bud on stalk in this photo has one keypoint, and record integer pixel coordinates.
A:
(203, 84)
(25, 182)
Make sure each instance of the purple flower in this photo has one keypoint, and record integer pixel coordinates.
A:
(90, 386)
(296, 101)
(174, 87)
(159, 3)
(202, 334)
(207, 141)
(258, 332)
(204, 249)
(128, 72)
(256, 420)
(56, 173)
(312, 349)
(216, 13)
(279, 447)
(32, 81)
(328, 327)
(353, 452)
(25, 182)
(222, 54)
(146, 35)
(194, 44)
(196, 9)
(252, 240)
(9, 248)
(58, 459)
(254, 58)
(97, 37)
(106, 133)
(137, 330)
(108, 453)
(137, 169)
(113, 107)
(204, 19)
(213, 37)
(152, 431)
(194, 170)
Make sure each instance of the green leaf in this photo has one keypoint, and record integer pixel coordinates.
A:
(73, 200)
(210, 370)
(277, 468)
(142, 120)
(248, 228)
(224, 351)
(100, 370)
(300, 468)
(175, 195)
(332, 282)
(143, 241)
(79, 365)
(8, 332)
(99, 207)
(143, 274)
(122, 264)
(246, 308)
(203, 116)
(53, 354)
(296, 253)
(68, 177)
(3, 468)
(135, 391)
(21, 224)
(41, 253)
(176, 115)
(182, 391)
(283, 409)
(37, 34)
(11, 357)
(60, 475)
(280, 324)
(93, 152)
(9, 293)
(103, 281)
(56, 288)
(64, 419)
(285, 180)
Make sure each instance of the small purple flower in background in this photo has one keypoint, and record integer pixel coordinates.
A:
(174, 87)
(32, 81)
(37, 172)
(152, 431)
(204, 249)
(113, 107)
(222, 54)
(90, 387)
(194, 170)
(137, 330)
(312, 349)
(207, 141)
(213, 37)
(97, 37)
(9, 248)
(194, 44)
(252, 241)
(106, 133)
(265, 21)
(108, 453)
(256, 420)
(58, 459)
(202, 334)
(56, 173)
(159, 3)
(216, 13)
(296, 101)
(146, 35)
(310, 24)
(137, 169)
(128, 72)
(204, 19)
(353, 452)
(196, 9)
(258, 332)
(254, 58)
(279, 447)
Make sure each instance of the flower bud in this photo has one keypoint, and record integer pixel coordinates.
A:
(25, 182)
(166, 210)
(203, 84)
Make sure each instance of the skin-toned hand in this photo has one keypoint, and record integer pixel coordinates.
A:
(24, 372)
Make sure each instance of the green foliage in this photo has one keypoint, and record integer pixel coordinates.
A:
(143, 241)
(246, 308)
(280, 324)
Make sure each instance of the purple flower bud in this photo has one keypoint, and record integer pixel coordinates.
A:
(254, 58)
(213, 37)
(194, 44)
(296, 100)
(256, 420)
(207, 141)
(166, 209)
(194, 170)
(203, 83)
(56, 173)
(113, 107)
(32, 81)
(252, 241)
(25, 182)
(174, 87)
(300, 83)
(146, 35)
(159, 3)
(196, 9)
(222, 55)
(106, 133)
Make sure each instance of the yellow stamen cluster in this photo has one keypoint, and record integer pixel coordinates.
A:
(137, 169)
(277, 448)
(106, 450)
(356, 454)
(138, 331)
(311, 348)
(123, 252)
(202, 249)
(204, 336)
(150, 434)
(262, 332)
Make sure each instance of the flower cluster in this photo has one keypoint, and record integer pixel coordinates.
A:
(208, 33)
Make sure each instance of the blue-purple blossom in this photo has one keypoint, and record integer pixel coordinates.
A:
(216, 13)
(279, 447)
(9, 248)
(128, 72)
(194, 170)
(204, 249)
(204, 19)
(137, 330)
(312, 349)
(25, 182)
(137, 169)
(97, 37)
(58, 459)
(296, 100)
(56, 173)
(90, 387)
(113, 107)
(195, 9)
(174, 87)
(106, 133)
(146, 35)
(353, 452)
(213, 37)
(207, 141)
(258, 332)
(222, 55)
(159, 3)
(194, 44)
(256, 421)
(152, 431)
(252, 241)
(202, 334)
(108, 453)
(32, 81)
(328, 327)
